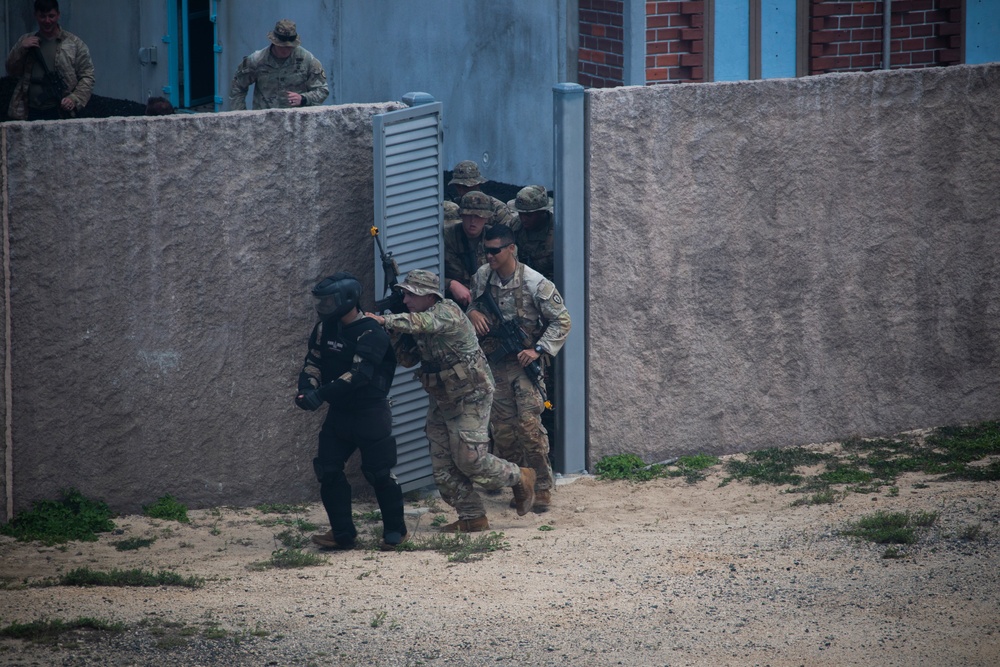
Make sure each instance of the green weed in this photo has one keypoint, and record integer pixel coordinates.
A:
(378, 619)
(281, 508)
(971, 532)
(290, 558)
(891, 527)
(439, 520)
(301, 525)
(133, 543)
(461, 547)
(545, 527)
(774, 465)
(631, 467)
(374, 515)
(73, 517)
(822, 498)
(292, 539)
(49, 631)
(166, 507)
(84, 576)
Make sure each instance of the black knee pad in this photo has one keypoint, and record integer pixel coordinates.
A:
(328, 473)
(382, 474)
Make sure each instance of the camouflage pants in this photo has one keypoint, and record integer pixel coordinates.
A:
(459, 443)
(518, 434)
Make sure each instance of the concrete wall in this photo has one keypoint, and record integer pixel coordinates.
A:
(492, 64)
(792, 261)
(160, 275)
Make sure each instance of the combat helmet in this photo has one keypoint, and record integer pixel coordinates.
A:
(466, 173)
(337, 295)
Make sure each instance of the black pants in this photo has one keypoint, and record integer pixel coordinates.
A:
(367, 428)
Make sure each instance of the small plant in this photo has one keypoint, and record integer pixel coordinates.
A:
(133, 543)
(84, 576)
(281, 508)
(49, 631)
(971, 532)
(378, 619)
(890, 527)
(290, 558)
(893, 552)
(292, 539)
(299, 524)
(439, 520)
(374, 515)
(822, 498)
(627, 466)
(214, 632)
(463, 548)
(545, 527)
(924, 519)
(73, 517)
(166, 507)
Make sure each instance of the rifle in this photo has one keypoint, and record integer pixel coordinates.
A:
(53, 86)
(510, 336)
(390, 270)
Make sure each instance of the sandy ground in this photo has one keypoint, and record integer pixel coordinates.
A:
(658, 573)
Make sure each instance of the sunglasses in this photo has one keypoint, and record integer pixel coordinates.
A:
(494, 251)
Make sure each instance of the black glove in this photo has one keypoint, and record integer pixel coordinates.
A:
(309, 400)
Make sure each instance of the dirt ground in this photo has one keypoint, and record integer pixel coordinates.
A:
(618, 573)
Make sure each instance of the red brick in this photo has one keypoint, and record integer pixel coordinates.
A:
(828, 36)
(954, 16)
(597, 30)
(656, 74)
(692, 33)
(697, 46)
(679, 47)
(851, 22)
(936, 43)
(863, 35)
(697, 21)
(650, 35)
(950, 55)
(818, 24)
(657, 21)
(863, 61)
(693, 7)
(899, 59)
(925, 30)
(816, 50)
(872, 47)
(912, 5)
(668, 60)
(831, 63)
(899, 33)
(950, 4)
(615, 33)
(650, 61)
(831, 8)
(691, 59)
(949, 29)
(680, 20)
(865, 8)
(664, 7)
(913, 44)
(849, 48)
(913, 17)
(922, 57)
(657, 47)
(955, 42)
(697, 74)
(668, 35)
(873, 21)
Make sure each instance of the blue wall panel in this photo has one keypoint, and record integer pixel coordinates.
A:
(982, 31)
(731, 60)
(777, 39)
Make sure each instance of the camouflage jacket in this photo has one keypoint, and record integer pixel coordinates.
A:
(452, 367)
(528, 298)
(535, 248)
(73, 64)
(299, 73)
(502, 214)
(462, 256)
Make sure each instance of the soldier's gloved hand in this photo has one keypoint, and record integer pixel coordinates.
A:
(309, 400)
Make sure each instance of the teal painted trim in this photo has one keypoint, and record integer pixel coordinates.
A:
(186, 41)
(777, 39)
(732, 40)
(173, 61)
(982, 31)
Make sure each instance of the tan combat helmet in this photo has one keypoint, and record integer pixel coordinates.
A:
(284, 34)
(421, 283)
(478, 204)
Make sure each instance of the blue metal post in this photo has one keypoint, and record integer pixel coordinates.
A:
(634, 70)
(570, 274)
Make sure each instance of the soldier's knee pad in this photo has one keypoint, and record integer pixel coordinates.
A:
(328, 473)
(381, 475)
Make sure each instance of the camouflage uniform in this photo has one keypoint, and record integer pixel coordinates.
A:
(463, 256)
(299, 73)
(72, 63)
(536, 305)
(457, 379)
(535, 247)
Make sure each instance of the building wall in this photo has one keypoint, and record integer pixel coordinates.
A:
(159, 298)
(601, 54)
(675, 42)
(792, 260)
(847, 36)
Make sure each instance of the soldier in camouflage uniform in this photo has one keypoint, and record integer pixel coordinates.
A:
(463, 246)
(284, 74)
(457, 379)
(526, 297)
(451, 214)
(465, 178)
(534, 235)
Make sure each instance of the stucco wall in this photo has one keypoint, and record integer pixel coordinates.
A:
(160, 297)
(792, 261)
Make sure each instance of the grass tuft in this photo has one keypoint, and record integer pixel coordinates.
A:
(281, 508)
(72, 517)
(891, 527)
(166, 507)
(463, 547)
(84, 576)
(632, 468)
(290, 558)
(133, 543)
(48, 631)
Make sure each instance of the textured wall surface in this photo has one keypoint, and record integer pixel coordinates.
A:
(160, 297)
(791, 261)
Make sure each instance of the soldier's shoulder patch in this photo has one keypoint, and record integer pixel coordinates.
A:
(556, 298)
(546, 289)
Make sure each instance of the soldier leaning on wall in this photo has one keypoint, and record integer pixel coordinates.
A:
(351, 365)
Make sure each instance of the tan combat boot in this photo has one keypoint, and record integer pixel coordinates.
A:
(328, 541)
(479, 524)
(543, 498)
(524, 491)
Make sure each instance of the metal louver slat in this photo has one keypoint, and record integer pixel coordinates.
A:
(408, 195)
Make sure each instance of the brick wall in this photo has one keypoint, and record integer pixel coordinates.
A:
(847, 36)
(601, 58)
(675, 39)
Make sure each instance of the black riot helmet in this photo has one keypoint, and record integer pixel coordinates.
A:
(337, 295)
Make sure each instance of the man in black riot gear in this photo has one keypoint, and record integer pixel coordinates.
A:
(350, 365)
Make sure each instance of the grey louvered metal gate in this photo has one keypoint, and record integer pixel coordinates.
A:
(408, 195)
